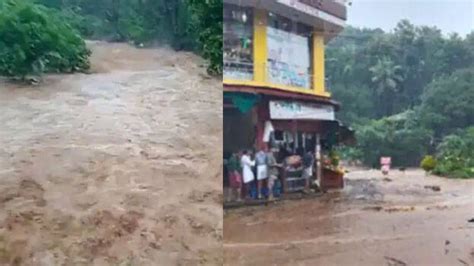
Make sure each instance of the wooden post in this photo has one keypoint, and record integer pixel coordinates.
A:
(263, 116)
(260, 130)
(295, 135)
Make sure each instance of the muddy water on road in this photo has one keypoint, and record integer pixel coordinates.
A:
(373, 221)
(119, 166)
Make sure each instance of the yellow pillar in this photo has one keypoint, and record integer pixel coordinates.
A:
(260, 46)
(318, 65)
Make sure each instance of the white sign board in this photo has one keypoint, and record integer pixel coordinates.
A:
(288, 58)
(296, 110)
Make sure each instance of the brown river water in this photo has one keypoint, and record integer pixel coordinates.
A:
(118, 167)
(374, 220)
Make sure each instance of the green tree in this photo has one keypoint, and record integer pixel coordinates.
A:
(447, 103)
(34, 40)
(456, 155)
(208, 19)
(395, 137)
(139, 21)
(387, 77)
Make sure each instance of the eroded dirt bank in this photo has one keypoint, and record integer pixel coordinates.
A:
(119, 167)
(373, 221)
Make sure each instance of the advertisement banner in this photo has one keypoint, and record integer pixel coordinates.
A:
(288, 58)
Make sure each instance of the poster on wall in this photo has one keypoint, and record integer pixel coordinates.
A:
(288, 58)
(297, 110)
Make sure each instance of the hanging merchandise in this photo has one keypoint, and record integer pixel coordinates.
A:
(288, 137)
(303, 137)
(267, 131)
(296, 141)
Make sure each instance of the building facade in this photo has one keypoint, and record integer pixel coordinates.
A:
(274, 77)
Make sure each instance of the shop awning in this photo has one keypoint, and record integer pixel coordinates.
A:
(242, 101)
(275, 94)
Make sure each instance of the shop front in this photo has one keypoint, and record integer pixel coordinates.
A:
(289, 127)
(276, 103)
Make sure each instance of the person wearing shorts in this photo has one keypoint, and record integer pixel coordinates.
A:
(235, 178)
(262, 170)
(247, 174)
(272, 173)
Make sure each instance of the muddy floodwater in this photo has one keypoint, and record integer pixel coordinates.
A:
(118, 167)
(406, 218)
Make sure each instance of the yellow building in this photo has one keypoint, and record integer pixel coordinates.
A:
(275, 95)
(279, 44)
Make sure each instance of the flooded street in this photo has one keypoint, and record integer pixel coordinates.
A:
(399, 220)
(118, 167)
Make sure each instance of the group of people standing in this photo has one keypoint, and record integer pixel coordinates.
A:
(244, 168)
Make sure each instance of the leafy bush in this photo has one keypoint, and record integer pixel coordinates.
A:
(208, 18)
(456, 155)
(33, 40)
(428, 163)
(395, 137)
(334, 157)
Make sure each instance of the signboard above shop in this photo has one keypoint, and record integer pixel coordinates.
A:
(289, 110)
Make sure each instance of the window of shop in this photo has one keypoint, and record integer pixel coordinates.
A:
(289, 52)
(238, 42)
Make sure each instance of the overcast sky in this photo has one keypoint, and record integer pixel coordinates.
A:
(447, 15)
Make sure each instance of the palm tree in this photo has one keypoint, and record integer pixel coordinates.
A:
(386, 76)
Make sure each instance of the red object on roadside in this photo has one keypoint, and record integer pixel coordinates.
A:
(385, 163)
(331, 180)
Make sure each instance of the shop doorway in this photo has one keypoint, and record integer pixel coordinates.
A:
(239, 131)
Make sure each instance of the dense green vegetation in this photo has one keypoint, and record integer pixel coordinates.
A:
(48, 35)
(183, 24)
(33, 40)
(165, 21)
(455, 155)
(405, 92)
(208, 18)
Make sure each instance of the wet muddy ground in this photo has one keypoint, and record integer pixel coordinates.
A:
(118, 167)
(402, 219)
